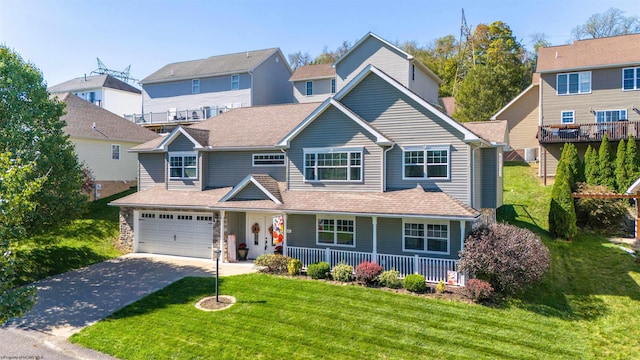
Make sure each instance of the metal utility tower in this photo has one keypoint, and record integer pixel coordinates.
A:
(121, 75)
(464, 44)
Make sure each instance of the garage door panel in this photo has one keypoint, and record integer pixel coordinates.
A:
(182, 234)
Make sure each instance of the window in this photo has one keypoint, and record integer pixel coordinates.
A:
(333, 164)
(333, 86)
(426, 163)
(611, 115)
(336, 231)
(235, 82)
(574, 83)
(183, 166)
(422, 237)
(413, 71)
(631, 79)
(268, 159)
(195, 86)
(309, 88)
(568, 117)
(115, 152)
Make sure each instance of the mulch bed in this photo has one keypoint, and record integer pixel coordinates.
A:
(210, 304)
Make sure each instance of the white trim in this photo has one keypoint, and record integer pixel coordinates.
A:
(335, 231)
(177, 131)
(580, 73)
(424, 149)
(242, 184)
(573, 116)
(636, 74)
(426, 245)
(136, 230)
(347, 150)
(253, 159)
(634, 188)
(495, 117)
(380, 139)
(595, 116)
(223, 241)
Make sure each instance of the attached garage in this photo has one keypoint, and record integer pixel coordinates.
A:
(175, 233)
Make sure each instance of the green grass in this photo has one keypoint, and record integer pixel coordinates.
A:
(82, 242)
(587, 307)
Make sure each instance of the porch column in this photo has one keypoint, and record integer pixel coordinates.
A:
(374, 239)
(284, 236)
(462, 229)
(222, 239)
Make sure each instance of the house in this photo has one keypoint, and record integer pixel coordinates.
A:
(102, 141)
(374, 172)
(587, 89)
(522, 115)
(312, 83)
(104, 91)
(190, 91)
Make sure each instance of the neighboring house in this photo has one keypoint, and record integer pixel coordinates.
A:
(102, 141)
(313, 83)
(374, 172)
(191, 91)
(104, 91)
(587, 89)
(522, 115)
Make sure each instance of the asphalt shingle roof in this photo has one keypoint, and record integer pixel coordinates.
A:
(92, 82)
(308, 72)
(492, 131)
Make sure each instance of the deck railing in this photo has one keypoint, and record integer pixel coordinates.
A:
(432, 269)
(175, 116)
(615, 130)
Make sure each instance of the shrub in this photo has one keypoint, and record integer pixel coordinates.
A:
(441, 287)
(391, 279)
(606, 163)
(620, 170)
(415, 283)
(591, 167)
(632, 160)
(294, 266)
(636, 248)
(508, 257)
(478, 290)
(319, 270)
(273, 263)
(367, 272)
(562, 214)
(342, 272)
(604, 214)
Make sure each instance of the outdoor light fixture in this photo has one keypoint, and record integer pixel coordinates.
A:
(217, 254)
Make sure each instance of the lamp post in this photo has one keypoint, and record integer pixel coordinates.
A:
(217, 252)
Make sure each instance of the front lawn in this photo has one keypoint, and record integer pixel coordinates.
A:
(83, 242)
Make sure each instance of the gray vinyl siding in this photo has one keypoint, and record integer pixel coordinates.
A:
(214, 92)
(477, 178)
(407, 123)
(321, 91)
(271, 82)
(303, 230)
(374, 52)
(181, 143)
(251, 192)
(390, 236)
(606, 94)
(425, 86)
(236, 225)
(229, 168)
(489, 171)
(152, 170)
(333, 129)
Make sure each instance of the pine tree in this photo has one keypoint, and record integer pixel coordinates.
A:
(605, 161)
(575, 165)
(621, 172)
(566, 172)
(632, 160)
(591, 167)
(562, 214)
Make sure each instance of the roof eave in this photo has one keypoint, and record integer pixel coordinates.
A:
(589, 67)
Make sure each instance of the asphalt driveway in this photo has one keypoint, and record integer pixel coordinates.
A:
(71, 301)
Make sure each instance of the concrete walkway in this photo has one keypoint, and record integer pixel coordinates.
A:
(68, 302)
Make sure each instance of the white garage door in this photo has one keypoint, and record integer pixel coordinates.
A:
(182, 234)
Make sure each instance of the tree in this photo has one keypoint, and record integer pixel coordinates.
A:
(538, 40)
(620, 170)
(442, 57)
(568, 171)
(329, 57)
(575, 165)
(610, 23)
(632, 160)
(562, 214)
(605, 162)
(18, 186)
(33, 130)
(591, 167)
(299, 59)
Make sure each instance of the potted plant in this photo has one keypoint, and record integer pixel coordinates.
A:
(278, 250)
(242, 251)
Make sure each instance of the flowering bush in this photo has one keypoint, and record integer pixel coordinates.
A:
(478, 290)
(242, 246)
(391, 279)
(342, 272)
(367, 272)
(508, 257)
(415, 283)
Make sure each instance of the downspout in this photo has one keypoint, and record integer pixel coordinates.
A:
(473, 176)
(252, 99)
(384, 168)
(286, 168)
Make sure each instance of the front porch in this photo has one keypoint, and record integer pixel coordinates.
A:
(432, 269)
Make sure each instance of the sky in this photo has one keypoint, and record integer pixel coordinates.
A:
(63, 38)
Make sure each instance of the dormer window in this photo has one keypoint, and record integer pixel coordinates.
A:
(183, 165)
(574, 83)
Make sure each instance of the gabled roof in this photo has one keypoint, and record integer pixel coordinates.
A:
(245, 128)
(82, 115)
(623, 50)
(370, 69)
(494, 132)
(394, 48)
(172, 136)
(218, 65)
(265, 183)
(92, 82)
(532, 87)
(380, 139)
(313, 72)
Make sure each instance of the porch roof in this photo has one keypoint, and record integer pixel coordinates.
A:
(414, 202)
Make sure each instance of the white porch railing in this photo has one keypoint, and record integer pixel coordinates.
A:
(432, 269)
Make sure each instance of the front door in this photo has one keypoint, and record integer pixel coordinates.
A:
(258, 238)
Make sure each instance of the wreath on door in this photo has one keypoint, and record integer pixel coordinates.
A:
(255, 228)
